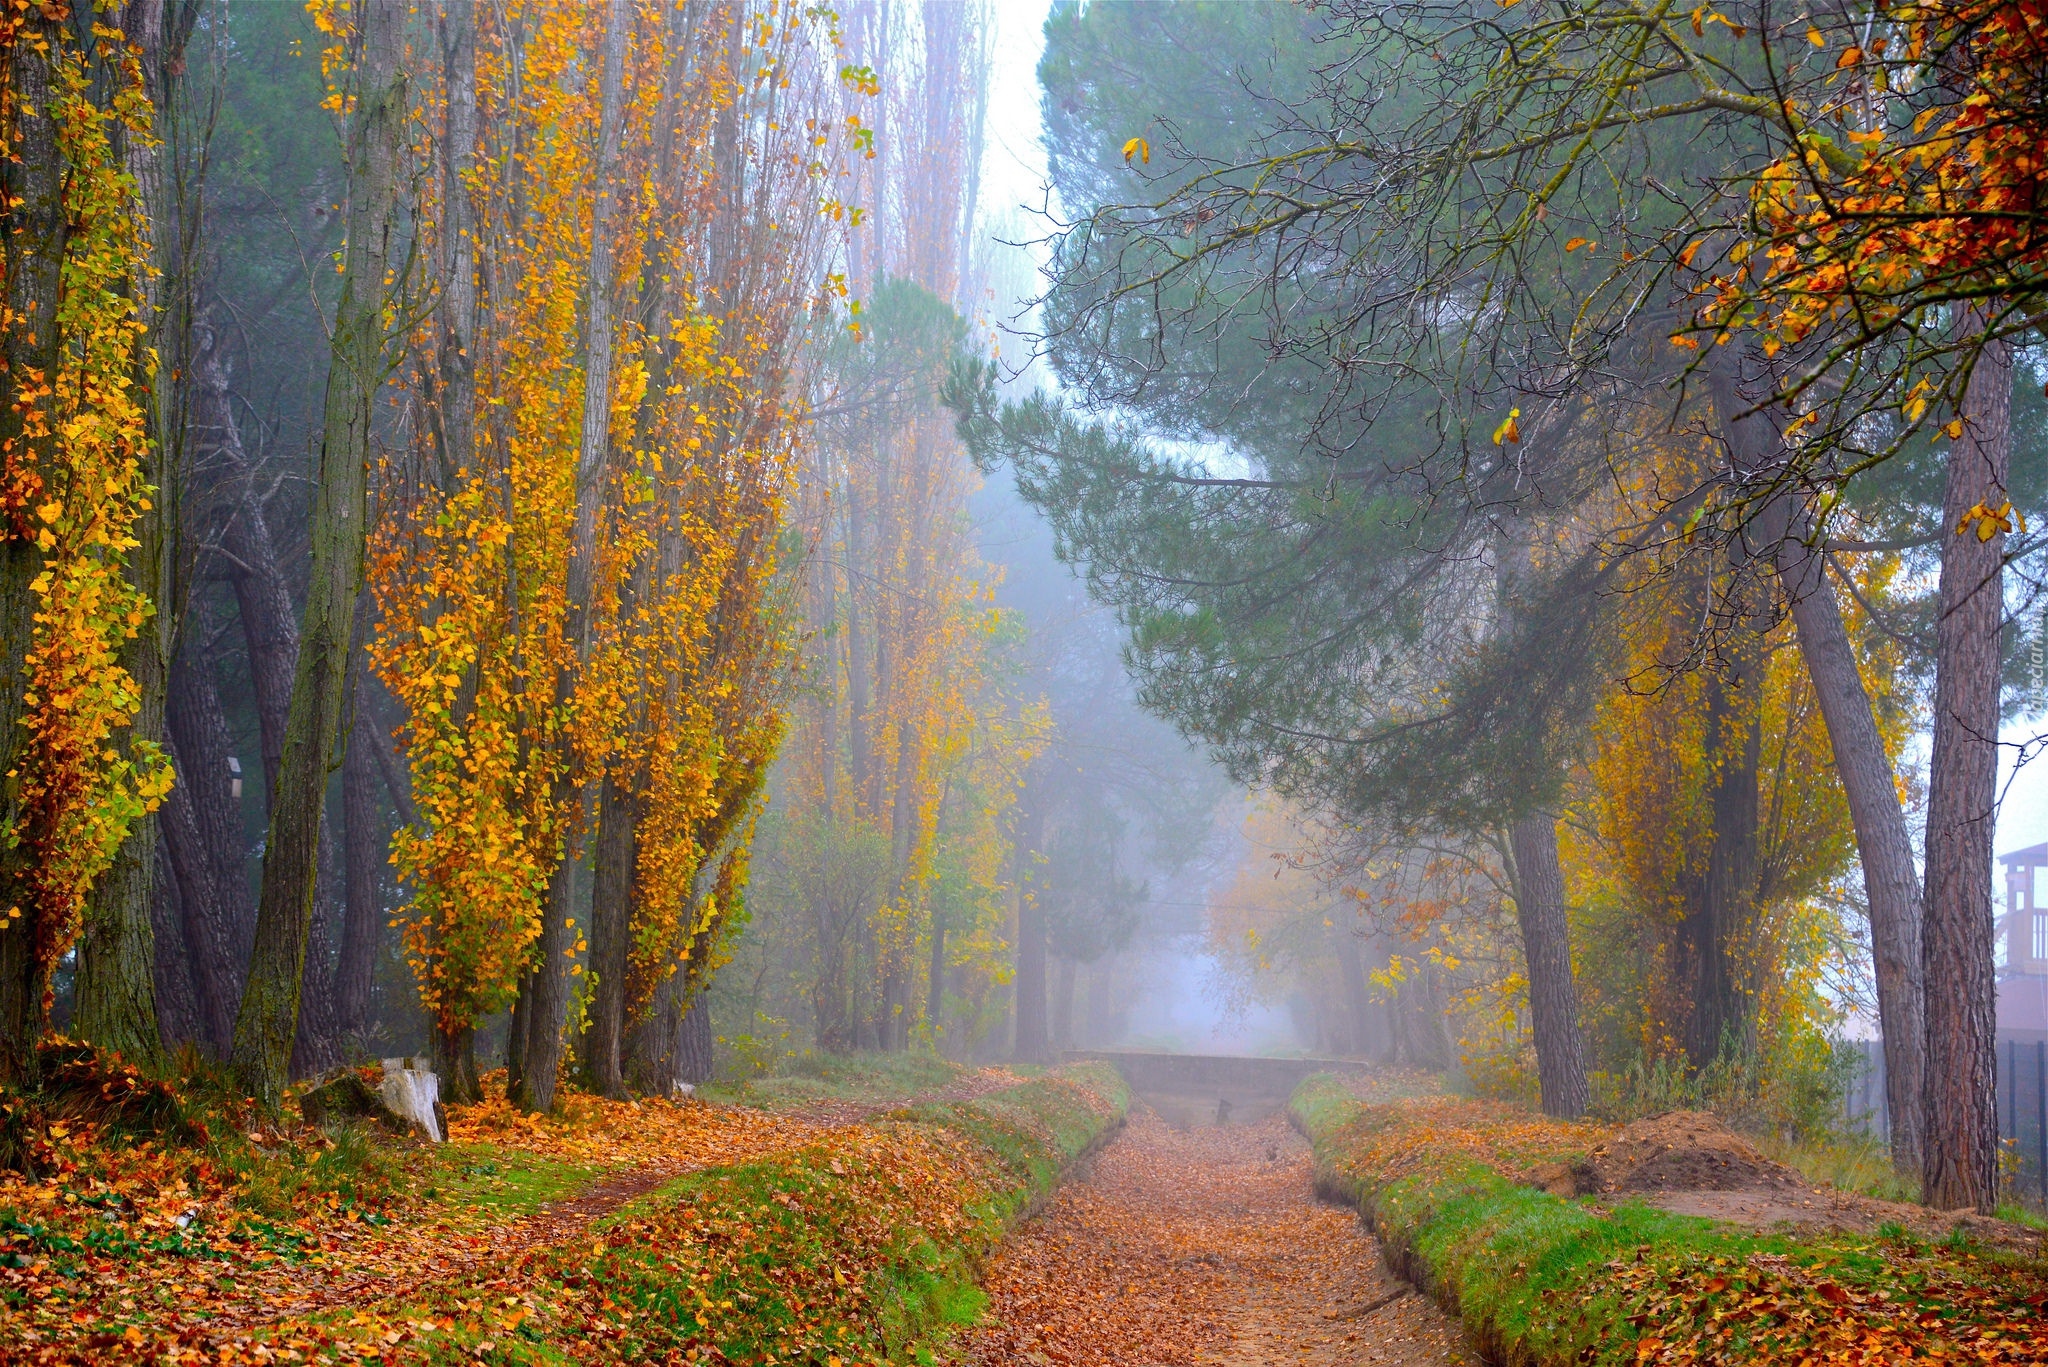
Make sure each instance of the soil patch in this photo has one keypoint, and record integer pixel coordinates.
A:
(1689, 1163)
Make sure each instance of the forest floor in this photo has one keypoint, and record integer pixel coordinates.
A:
(1204, 1245)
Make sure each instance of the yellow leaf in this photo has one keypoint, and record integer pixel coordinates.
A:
(1813, 36)
(1685, 257)
(1851, 55)
(1954, 429)
(1579, 242)
(1139, 148)
(1510, 430)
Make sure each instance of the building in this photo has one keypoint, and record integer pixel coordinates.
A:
(2022, 947)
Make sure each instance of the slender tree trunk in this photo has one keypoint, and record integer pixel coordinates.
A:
(1723, 901)
(365, 838)
(268, 1022)
(1884, 846)
(1960, 1154)
(542, 1011)
(1063, 1005)
(1032, 1044)
(611, 938)
(202, 832)
(1546, 949)
(177, 1002)
(935, 980)
(1357, 995)
(32, 245)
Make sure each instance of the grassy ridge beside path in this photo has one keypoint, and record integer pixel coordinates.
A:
(1546, 1280)
(152, 1226)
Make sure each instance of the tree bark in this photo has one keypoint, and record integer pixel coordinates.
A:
(117, 1005)
(365, 838)
(1357, 995)
(1723, 901)
(611, 935)
(542, 1013)
(935, 980)
(1960, 1140)
(177, 1002)
(694, 1054)
(202, 832)
(1884, 846)
(32, 244)
(268, 1022)
(1546, 949)
(1032, 1045)
(1063, 1006)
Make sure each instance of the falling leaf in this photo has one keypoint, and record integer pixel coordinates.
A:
(1510, 430)
(1139, 148)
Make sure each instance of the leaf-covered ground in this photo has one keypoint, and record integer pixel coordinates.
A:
(1201, 1246)
(1540, 1278)
(176, 1230)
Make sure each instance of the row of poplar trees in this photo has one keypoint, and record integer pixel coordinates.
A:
(545, 617)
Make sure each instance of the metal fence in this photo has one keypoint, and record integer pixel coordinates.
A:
(2022, 1108)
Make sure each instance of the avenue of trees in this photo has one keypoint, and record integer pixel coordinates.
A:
(1577, 445)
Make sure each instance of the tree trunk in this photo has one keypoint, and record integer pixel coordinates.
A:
(694, 1055)
(1357, 994)
(543, 1012)
(202, 829)
(1063, 1006)
(265, 1029)
(177, 1002)
(611, 936)
(32, 247)
(1884, 846)
(1723, 901)
(365, 839)
(1960, 1154)
(1546, 948)
(935, 980)
(1032, 1045)
(117, 1005)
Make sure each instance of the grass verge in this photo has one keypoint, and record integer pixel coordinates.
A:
(1543, 1281)
(858, 1247)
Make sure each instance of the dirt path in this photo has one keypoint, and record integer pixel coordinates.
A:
(1203, 1246)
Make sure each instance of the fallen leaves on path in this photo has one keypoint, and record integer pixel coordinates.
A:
(1199, 1246)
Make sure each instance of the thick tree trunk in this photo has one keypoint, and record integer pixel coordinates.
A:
(116, 986)
(32, 244)
(268, 1022)
(1960, 1142)
(611, 936)
(365, 838)
(1547, 952)
(1884, 846)
(542, 1008)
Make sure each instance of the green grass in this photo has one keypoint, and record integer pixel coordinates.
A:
(1542, 1280)
(873, 1079)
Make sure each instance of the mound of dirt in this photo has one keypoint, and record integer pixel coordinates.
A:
(1689, 1163)
(1676, 1151)
(1685, 1151)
